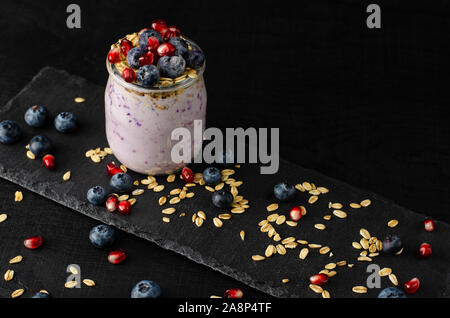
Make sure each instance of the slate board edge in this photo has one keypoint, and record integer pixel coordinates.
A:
(170, 245)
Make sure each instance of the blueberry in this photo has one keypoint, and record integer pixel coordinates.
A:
(121, 182)
(392, 244)
(195, 59)
(171, 66)
(146, 289)
(36, 116)
(180, 45)
(41, 295)
(102, 235)
(66, 122)
(143, 38)
(222, 199)
(226, 158)
(391, 292)
(283, 191)
(147, 75)
(212, 176)
(133, 56)
(40, 145)
(10, 132)
(96, 195)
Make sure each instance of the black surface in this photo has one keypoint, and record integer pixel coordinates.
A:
(370, 105)
(221, 249)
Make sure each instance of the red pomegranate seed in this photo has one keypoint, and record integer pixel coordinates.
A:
(33, 242)
(125, 46)
(319, 279)
(124, 207)
(429, 225)
(112, 169)
(295, 214)
(116, 257)
(175, 29)
(233, 293)
(168, 35)
(49, 162)
(166, 49)
(187, 175)
(128, 75)
(112, 203)
(146, 59)
(412, 285)
(152, 44)
(159, 25)
(425, 250)
(114, 55)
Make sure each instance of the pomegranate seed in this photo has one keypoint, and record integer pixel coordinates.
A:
(49, 162)
(233, 293)
(33, 242)
(152, 44)
(295, 214)
(146, 59)
(125, 46)
(124, 207)
(187, 175)
(319, 279)
(425, 250)
(116, 257)
(412, 285)
(175, 29)
(128, 75)
(166, 49)
(168, 35)
(111, 203)
(114, 56)
(159, 25)
(429, 225)
(112, 169)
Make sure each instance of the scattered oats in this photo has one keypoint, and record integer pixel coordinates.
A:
(263, 222)
(73, 270)
(364, 259)
(355, 205)
(313, 199)
(291, 245)
(201, 214)
(303, 253)
(166, 219)
(219, 186)
(379, 245)
(31, 155)
(327, 217)
(242, 234)
(213, 296)
(325, 294)
(303, 242)
(210, 189)
(217, 222)
(271, 232)
(169, 211)
(227, 172)
(258, 258)
(182, 194)
(363, 253)
(136, 182)
(66, 176)
(273, 217)
(281, 249)
(340, 214)
(182, 214)
(314, 245)
(190, 195)
(332, 273)
(18, 196)
(8, 275)
(307, 186)
(225, 216)
(124, 197)
(158, 188)
(372, 248)
(132, 201)
(70, 284)
(3, 217)
(366, 203)
(234, 191)
(272, 207)
(277, 237)
(341, 263)
(44, 291)
(137, 192)
(162, 200)
(175, 200)
(152, 185)
(336, 206)
(238, 210)
(393, 279)
(330, 266)
(96, 158)
(364, 243)
(299, 187)
(385, 271)
(357, 245)
(269, 250)
(374, 254)
(285, 280)
(16, 259)
(303, 210)
(171, 178)
(288, 240)
(236, 184)
(108, 150)
(316, 288)
(359, 289)
(392, 223)
(89, 282)
(280, 220)
(79, 100)
(291, 223)
(17, 293)
(350, 265)
(315, 192)
(320, 226)
(372, 240)
(265, 228)
(199, 221)
(124, 169)
(324, 250)
(364, 233)
(323, 190)
(399, 252)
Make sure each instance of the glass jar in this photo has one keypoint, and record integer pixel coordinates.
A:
(139, 121)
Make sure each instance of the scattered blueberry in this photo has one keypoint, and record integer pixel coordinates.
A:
(212, 176)
(391, 292)
(195, 59)
(171, 66)
(66, 122)
(283, 191)
(143, 38)
(147, 75)
(226, 158)
(392, 244)
(36, 116)
(41, 295)
(40, 145)
(146, 289)
(222, 199)
(96, 195)
(133, 56)
(121, 182)
(10, 132)
(102, 235)
(180, 45)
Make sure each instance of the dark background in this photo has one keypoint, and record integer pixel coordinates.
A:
(365, 106)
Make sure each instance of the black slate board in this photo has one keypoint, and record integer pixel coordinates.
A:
(222, 249)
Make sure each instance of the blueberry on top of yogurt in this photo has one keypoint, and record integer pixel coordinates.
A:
(10, 132)
(36, 116)
(171, 66)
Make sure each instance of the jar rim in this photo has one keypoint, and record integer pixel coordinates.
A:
(184, 84)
